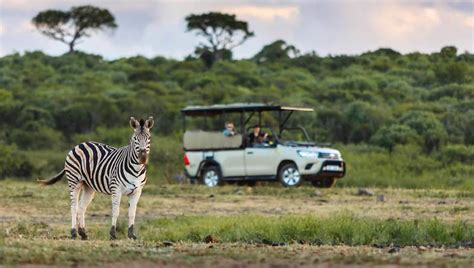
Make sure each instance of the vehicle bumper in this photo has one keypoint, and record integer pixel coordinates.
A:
(186, 173)
(327, 169)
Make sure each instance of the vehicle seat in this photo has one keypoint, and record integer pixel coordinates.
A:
(200, 140)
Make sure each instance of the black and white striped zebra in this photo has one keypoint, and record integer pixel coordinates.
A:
(94, 167)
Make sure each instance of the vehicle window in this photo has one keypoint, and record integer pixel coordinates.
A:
(294, 137)
(264, 139)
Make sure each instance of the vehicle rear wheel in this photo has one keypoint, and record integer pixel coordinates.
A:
(289, 175)
(211, 176)
(324, 182)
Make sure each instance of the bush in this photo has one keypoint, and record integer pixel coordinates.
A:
(117, 137)
(36, 138)
(457, 153)
(389, 136)
(13, 162)
(428, 126)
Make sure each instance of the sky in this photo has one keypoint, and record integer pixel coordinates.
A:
(329, 27)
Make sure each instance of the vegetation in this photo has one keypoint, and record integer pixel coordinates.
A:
(401, 121)
(223, 32)
(70, 26)
(411, 113)
(261, 224)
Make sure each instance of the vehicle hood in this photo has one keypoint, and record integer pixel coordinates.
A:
(323, 152)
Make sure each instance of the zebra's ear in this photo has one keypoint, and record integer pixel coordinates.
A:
(149, 123)
(133, 122)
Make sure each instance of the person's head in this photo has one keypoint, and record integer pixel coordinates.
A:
(141, 138)
(256, 129)
(229, 125)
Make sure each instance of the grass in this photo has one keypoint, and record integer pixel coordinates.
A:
(140, 253)
(343, 229)
(335, 224)
(367, 166)
(405, 167)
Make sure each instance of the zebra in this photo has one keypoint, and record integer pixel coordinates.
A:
(94, 167)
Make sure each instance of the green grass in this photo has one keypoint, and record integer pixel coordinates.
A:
(344, 229)
(367, 166)
(405, 167)
(40, 243)
(340, 229)
(336, 225)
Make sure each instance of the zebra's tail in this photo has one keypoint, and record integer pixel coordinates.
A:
(53, 180)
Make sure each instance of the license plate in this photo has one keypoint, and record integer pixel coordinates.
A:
(332, 168)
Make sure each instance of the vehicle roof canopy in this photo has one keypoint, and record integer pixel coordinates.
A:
(238, 108)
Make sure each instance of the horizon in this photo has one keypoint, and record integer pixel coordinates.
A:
(149, 57)
(325, 27)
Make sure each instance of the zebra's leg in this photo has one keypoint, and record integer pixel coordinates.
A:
(86, 197)
(116, 196)
(74, 189)
(132, 209)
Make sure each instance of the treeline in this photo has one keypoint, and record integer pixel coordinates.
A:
(381, 98)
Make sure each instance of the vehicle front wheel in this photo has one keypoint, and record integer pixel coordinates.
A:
(211, 177)
(289, 175)
(324, 182)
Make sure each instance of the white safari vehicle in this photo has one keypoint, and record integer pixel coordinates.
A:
(213, 158)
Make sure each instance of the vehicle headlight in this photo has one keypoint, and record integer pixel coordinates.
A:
(309, 154)
(328, 155)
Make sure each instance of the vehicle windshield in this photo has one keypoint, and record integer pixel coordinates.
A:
(295, 137)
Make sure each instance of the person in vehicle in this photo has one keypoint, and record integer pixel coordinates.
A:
(261, 143)
(229, 130)
(257, 137)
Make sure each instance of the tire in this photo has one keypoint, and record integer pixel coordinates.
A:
(211, 176)
(289, 176)
(324, 182)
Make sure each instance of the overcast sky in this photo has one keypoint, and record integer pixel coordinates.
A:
(157, 27)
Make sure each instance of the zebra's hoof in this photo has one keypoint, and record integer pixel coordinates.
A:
(82, 233)
(73, 233)
(131, 235)
(113, 233)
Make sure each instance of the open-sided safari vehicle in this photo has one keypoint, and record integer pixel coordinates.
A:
(214, 157)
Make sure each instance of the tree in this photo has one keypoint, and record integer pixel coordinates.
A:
(449, 52)
(427, 126)
(223, 33)
(69, 27)
(278, 50)
(391, 135)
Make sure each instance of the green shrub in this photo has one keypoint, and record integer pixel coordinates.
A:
(13, 162)
(392, 135)
(457, 154)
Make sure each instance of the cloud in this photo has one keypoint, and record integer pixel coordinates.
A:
(398, 21)
(261, 12)
(462, 6)
(116, 5)
(469, 21)
(157, 27)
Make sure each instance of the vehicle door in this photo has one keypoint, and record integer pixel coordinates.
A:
(232, 162)
(261, 160)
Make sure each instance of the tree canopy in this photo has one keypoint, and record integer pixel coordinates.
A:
(380, 100)
(278, 50)
(69, 27)
(223, 32)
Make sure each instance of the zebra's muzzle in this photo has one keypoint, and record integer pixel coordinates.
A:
(143, 157)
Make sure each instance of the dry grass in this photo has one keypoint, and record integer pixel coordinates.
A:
(35, 223)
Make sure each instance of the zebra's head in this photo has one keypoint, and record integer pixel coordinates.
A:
(140, 141)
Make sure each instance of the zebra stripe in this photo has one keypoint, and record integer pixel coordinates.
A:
(95, 167)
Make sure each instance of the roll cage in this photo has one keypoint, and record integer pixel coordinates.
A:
(247, 112)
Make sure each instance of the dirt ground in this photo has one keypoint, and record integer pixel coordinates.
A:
(52, 203)
(30, 203)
